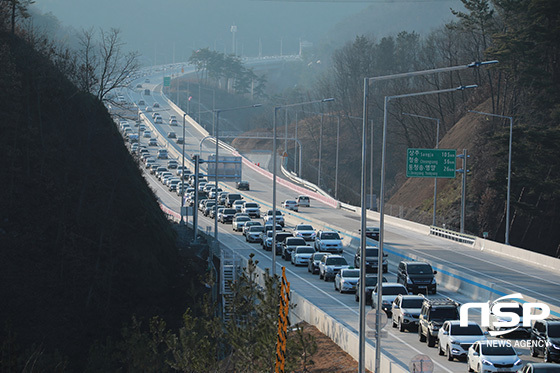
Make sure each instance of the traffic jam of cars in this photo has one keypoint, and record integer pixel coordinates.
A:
(406, 301)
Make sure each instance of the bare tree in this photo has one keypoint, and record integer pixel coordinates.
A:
(103, 65)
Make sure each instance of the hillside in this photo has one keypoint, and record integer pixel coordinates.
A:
(416, 194)
(84, 243)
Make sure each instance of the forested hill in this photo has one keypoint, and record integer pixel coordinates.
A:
(84, 245)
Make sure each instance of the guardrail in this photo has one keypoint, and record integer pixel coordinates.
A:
(452, 235)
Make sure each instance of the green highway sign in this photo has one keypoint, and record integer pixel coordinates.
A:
(167, 81)
(431, 163)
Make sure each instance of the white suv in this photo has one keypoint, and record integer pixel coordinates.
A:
(328, 241)
(406, 311)
(330, 265)
(454, 340)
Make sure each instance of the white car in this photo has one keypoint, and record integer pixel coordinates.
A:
(301, 255)
(249, 224)
(346, 280)
(158, 120)
(252, 209)
(330, 265)
(267, 219)
(493, 356)
(454, 340)
(290, 204)
(513, 307)
(173, 122)
(305, 231)
(253, 234)
(328, 241)
(239, 222)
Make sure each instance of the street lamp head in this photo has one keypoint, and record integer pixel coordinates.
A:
(257, 105)
(463, 87)
(481, 63)
(328, 99)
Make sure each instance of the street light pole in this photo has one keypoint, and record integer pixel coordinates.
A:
(361, 358)
(509, 166)
(274, 172)
(320, 151)
(183, 172)
(437, 147)
(336, 161)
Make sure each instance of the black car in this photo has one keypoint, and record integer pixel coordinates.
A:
(280, 238)
(372, 257)
(290, 244)
(313, 264)
(242, 185)
(227, 216)
(545, 339)
(417, 277)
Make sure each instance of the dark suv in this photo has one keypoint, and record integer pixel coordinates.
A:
(290, 244)
(434, 313)
(417, 277)
(545, 339)
(372, 256)
(280, 238)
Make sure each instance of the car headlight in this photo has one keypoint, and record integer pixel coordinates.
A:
(486, 362)
(406, 314)
(408, 281)
(518, 362)
(556, 346)
(434, 281)
(453, 342)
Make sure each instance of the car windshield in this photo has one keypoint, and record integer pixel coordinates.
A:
(554, 330)
(319, 256)
(372, 252)
(351, 273)
(447, 313)
(304, 228)
(419, 269)
(278, 212)
(230, 211)
(330, 236)
(336, 261)
(471, 329)
(296, 241)
(497, 349)
(243, 218)
(251, 205)
(305, 250)
(256, 228)
(371, 280)
(394, 290)
(412, 303)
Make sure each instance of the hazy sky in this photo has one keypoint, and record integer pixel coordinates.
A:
(156, 28)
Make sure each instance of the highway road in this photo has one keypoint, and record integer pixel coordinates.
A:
(526, 278)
